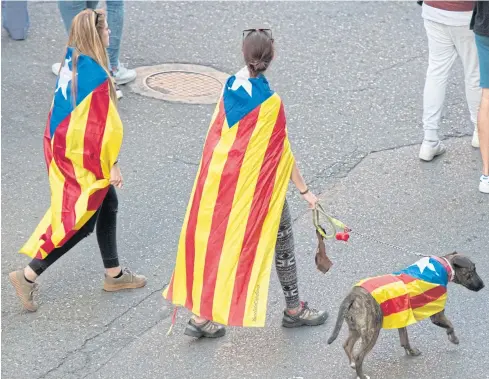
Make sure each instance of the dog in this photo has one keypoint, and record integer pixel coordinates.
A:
(401, 299)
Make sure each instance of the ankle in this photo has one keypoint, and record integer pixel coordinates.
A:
(198, 320)
(294, 311)
(115, 272)
(30, 275)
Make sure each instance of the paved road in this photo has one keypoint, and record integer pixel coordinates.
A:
(351, 75)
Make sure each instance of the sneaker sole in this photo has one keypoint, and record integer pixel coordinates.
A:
(125, 81)
(13, 279)
(484, 187)
(429, 157)
(299, 323)
(199, 334)
(125, 286)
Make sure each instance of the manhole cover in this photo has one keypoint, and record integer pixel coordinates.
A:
(183, 83)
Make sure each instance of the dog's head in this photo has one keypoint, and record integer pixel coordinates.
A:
(465, 273)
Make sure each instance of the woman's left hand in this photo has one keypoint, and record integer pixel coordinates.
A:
(116, 176)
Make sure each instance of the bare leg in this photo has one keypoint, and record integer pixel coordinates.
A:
(483, 125)
(441, 320)
(412, 351)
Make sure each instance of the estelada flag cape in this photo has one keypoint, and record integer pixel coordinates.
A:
(81, 143)
(412, 294)
(230, 229)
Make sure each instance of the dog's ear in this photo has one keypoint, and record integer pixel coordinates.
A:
(462, 261)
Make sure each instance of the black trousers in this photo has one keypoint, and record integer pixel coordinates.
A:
(106, 221)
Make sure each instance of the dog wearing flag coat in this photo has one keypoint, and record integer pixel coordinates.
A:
(400, 299)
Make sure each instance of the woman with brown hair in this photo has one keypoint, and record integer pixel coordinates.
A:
(238, 215)
(82, 140)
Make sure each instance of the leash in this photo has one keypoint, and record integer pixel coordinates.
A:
(342, 232)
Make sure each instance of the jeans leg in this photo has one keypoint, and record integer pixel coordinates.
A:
(70, 8)
(115, 19)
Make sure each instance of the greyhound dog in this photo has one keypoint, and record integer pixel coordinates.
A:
(416, 293)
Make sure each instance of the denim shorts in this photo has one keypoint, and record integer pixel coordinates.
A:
(482, 43)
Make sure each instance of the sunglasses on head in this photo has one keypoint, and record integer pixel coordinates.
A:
(96, 16)
(267, 32)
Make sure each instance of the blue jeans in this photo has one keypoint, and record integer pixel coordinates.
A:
(15, 18)
(115, 19)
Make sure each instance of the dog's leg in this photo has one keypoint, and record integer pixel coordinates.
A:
(403, 336)
(369, 338)
(441, 320)
(350, 344)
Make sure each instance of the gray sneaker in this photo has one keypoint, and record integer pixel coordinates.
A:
(208, 329)
(126, 281)
(306, 316)
(429, 150)
(24, 290)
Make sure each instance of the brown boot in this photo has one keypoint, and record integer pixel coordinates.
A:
(127, 280)
(24, 290)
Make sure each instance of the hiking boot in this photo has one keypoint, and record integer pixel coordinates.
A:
(208, 329)
(429, 150)
(24, 290)
(125, 281)
(306, 316)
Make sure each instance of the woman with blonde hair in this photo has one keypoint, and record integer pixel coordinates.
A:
(82, 140)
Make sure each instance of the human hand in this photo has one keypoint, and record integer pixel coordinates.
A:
(116, 176)
(310, 198)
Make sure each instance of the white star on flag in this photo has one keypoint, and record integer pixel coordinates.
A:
(242, 81)
(425, 263)
(65, 76)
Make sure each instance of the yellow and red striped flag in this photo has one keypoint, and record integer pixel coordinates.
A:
(412, 294)
(228, 238)
(81, 143)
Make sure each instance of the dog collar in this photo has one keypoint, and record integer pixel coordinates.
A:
(448, 267)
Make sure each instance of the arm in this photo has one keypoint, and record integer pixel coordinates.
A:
(297, 179)
(301, 185)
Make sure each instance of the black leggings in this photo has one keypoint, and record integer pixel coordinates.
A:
(106, 220)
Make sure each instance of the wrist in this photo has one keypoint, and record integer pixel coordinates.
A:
(303, 192)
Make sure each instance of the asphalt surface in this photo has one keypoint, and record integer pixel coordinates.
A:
(351, 76)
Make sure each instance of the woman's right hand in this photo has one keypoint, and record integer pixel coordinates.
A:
(311, 199)
(116, 176)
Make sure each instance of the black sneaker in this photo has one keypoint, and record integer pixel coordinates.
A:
(208, 329)
(306, 316)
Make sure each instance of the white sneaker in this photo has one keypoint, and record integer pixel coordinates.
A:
(484, 184)
(55, 68)
(475, 139)
(429, 150)
(118, 91)
(124, 75)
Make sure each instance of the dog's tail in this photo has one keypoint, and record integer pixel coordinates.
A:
(345, 305)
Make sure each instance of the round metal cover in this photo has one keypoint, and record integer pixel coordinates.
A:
(182, 83)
